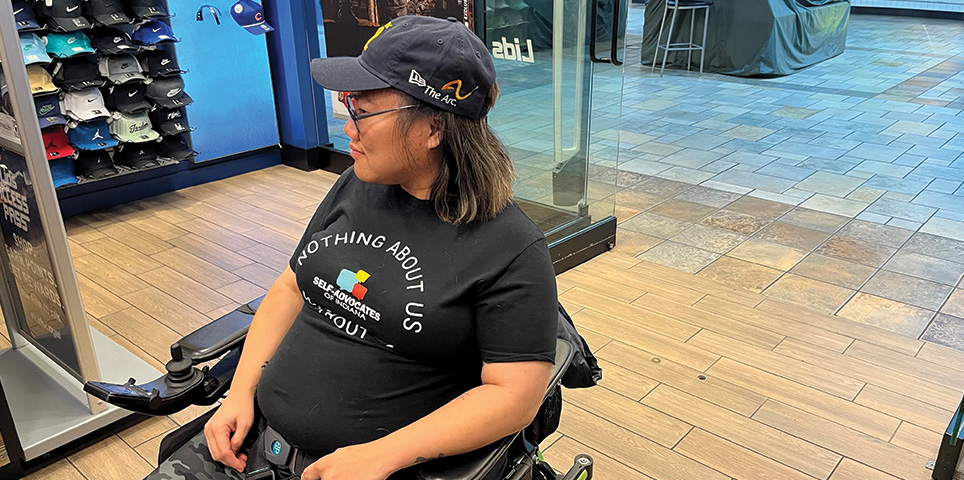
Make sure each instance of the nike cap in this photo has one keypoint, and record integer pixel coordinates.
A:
(175, 147)
(85, 105)
(63, 15)
(55, 142)
(48, 110)
(62, 171)
(127, 98)
(133, 128)
(24, 16)
(153, 32)
(77, 74)
(439, 62)
(34, 50)
(93, 135)
(160, 63)
(149, 8)
(40, 81)
(121, 68)
(250, 15)
(63, 45)
(168, 92)
(111, 41)
(95, 164)
(170, 121)
(140, 156)
(106, 12)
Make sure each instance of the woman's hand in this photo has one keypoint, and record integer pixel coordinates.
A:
(355, 462)
(226, 430)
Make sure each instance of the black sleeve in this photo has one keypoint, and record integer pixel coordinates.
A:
(317, 222)
(516, 315)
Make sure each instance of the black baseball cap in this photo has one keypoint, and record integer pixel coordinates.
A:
(137, 156)
(170, 121)
(168, 92)
(160, 63)
(111, 41)
(148, 8)
(440, 62)
(175, 147)
(95, 164)
(63, 15)
(106, 12)
(77, 74)
(127, 98)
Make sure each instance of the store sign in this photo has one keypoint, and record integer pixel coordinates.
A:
(29, 261)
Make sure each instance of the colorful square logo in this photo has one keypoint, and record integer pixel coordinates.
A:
(352, 282)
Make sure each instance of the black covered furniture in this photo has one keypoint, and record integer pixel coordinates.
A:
(758, 37)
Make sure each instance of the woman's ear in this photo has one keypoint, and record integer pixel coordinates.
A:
(435, 132)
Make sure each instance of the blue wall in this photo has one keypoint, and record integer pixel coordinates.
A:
(229, 79)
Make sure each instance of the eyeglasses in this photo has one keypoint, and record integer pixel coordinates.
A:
(349, 101)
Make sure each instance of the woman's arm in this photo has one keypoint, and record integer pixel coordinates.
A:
(506, 402)
(226, 430)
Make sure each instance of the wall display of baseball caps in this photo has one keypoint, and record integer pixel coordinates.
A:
(107, 86)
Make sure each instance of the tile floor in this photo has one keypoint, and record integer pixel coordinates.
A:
(838, 187)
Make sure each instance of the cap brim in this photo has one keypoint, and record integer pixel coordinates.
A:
(69, 24)
(107, 142)
(58, 153)
(145, 12)
(259, 28)
(112, 19)
(28, 24)
(171, 129)
(181, 100)
(60, 181)
(143, 163)
(52, 120)
(345, 74)
(126, 77)
(138, 107)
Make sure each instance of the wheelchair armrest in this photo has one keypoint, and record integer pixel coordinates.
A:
(214, 339)
(473, 465)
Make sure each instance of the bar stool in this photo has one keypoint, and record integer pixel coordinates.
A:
(678, 5)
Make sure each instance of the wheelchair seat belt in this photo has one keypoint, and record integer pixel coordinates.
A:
(271, 454)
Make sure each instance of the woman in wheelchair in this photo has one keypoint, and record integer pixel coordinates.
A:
(417, 318)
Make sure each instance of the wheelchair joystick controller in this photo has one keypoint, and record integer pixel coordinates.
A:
(180, 369)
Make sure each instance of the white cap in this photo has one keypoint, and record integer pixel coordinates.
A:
(85, 105)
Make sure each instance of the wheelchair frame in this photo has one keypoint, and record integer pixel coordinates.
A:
(185, 384)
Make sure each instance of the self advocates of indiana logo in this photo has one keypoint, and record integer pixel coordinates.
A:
(350, 281)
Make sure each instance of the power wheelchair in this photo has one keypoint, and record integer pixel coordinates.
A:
(185, 384)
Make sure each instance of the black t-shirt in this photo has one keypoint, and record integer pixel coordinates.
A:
(400, 311)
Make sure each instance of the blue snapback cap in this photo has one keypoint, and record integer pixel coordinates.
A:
(34, 50)
(62, 171)
(250, 15)
(93, 135)
(48, 110)
(153, 32)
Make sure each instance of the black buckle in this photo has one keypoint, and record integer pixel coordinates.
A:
(276, 449)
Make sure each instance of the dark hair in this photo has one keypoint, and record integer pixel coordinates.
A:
(474, 180)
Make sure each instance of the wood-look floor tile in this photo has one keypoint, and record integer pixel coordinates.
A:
(136, 238)
(148, 450)
(110, 458)
(910, 410)
(267, 256)
(195, 268)
(98, 301)
(76, 249)
(710, 287)
(848, 442)
(151, 360)
(919, 367)
(732, 459)
(743, 331)
(773, 443)
(211, 252)
(167, 310)
(625, 381)
(109, 276)
(627, 413)
(278, 207)
(217, 234)
(632, 449)
(658, 323)
(785, 325)
(678, 294)
(825, 405)
(613, 288)
(851, 470)
(182, 287)
(276, 222)
(122, 255)
(260, 275)
(632, 243)
(221, 218)
(948, 357)
(634, 334)
(59, 470)
(151, 335)
(835, 383)
(595, 340)
(918, 439)
(159, 228)
(242, 291)
(273, 239)
(722, 393)
(562, 452)
(145, 430)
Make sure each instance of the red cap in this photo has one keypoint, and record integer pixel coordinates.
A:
(55, 142)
